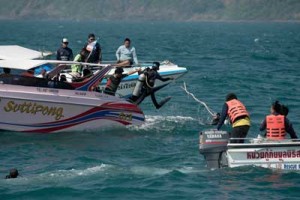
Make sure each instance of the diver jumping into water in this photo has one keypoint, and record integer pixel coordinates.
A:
(145, 86)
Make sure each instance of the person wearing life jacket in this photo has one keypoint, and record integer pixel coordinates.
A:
(81, 57)
(145, 86)
(114, 81)
(276, 124)
(238, 116)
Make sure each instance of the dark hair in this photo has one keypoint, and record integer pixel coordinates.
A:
(127, 40)
(91, 35)
(280, 108)
(155, 65)
(119, 70)
(83, 54)
(276, 106)
(284, 110)
(230, 96)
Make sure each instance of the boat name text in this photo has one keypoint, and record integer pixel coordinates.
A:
(271, 154)
(34, 108)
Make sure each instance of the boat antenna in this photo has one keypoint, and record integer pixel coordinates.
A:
(209, 110)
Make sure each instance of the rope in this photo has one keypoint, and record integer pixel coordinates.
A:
(210, 111)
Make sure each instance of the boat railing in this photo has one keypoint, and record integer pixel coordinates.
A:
(259, 140)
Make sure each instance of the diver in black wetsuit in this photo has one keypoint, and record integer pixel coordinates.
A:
(145, 86)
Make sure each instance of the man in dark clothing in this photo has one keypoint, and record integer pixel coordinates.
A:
(64, 53)
(94, 49)
(114, 81)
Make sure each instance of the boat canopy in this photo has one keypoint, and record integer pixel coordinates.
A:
(18, 52)
(29, 64)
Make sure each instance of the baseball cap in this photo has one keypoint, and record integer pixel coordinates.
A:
(65, 40)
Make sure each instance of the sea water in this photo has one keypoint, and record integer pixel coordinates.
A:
(160, 159)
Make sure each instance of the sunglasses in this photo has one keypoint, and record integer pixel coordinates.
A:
(92, 39)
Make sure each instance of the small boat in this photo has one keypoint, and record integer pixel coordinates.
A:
(47, 105)
(219, 151)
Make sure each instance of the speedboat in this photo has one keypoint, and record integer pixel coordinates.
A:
(219, 151)
(50, 104)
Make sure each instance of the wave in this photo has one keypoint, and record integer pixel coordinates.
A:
(154, 122)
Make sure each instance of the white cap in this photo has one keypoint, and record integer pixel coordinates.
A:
(65, 40)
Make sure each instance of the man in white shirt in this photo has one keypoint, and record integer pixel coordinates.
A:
(126, 55)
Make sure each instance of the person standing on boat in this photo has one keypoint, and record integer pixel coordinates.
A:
(114, 81)
(94, 50)
(77, 68)
(64, 53)
(238, 115)
(277, 124)
(126, 55)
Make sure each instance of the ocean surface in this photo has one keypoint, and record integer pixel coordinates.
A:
(260, 62)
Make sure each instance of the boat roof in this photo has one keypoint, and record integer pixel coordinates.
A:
(18, 52)
(25, 64)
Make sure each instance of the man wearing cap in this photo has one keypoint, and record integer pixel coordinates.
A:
(114, 81)
(64, 53)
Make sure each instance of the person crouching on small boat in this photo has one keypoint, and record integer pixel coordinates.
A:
(277, 124)
(239, 118)
(114, 81)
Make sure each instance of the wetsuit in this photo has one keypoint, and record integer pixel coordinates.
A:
(151, 76)
(288, 127)
(64, 54)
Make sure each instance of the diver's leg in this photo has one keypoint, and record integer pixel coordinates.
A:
(160, 104)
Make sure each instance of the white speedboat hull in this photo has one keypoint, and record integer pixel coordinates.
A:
(274, 154)
(47, 110)
(284, 155)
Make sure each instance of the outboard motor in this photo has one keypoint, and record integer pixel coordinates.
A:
(213, 145)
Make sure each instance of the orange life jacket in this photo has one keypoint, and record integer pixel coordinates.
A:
(236, 109)
(275, 127)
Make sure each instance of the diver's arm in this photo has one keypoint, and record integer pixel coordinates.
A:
(223, 116)
(158, 76)
(289, 128)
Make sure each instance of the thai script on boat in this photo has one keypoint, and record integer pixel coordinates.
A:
(126, 85)
(34, 108)
(271, 154)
